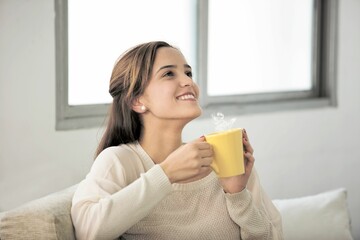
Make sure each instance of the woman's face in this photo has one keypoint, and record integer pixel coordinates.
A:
(171, 92)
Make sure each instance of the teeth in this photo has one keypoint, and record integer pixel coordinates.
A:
(185, 97)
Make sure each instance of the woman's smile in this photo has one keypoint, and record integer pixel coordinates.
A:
(187, 97)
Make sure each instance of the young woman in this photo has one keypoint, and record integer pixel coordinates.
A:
(146, 183)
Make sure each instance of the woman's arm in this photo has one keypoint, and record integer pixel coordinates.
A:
(254, 212)
(104, 206)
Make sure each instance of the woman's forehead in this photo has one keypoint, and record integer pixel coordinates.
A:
(168, 56)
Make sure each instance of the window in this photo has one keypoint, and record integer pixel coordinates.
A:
(272, 42)
(94, 44)
(247, 56)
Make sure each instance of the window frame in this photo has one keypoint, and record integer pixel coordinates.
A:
(323, 74)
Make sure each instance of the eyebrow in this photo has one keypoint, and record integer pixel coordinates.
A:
(172, 66)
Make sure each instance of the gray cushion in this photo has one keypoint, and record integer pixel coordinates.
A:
(44, 218)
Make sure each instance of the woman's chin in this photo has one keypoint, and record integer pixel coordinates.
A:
(195, 114)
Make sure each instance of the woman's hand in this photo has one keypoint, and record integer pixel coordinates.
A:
(189, 162)
(238, 183)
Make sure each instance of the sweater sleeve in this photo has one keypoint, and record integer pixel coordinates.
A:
(106, 205)
(254, 212)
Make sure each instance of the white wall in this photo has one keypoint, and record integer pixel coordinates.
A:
(298, 152)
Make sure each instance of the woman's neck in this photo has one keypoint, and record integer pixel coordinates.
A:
(160, 142)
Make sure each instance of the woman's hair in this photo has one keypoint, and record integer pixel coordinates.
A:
(130, 76)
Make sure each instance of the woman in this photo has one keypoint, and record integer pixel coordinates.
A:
(146, 183)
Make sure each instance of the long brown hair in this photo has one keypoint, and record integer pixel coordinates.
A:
(129, 78)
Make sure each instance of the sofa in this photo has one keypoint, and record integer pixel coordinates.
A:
(321, 216)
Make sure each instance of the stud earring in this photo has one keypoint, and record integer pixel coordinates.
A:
(143, 108)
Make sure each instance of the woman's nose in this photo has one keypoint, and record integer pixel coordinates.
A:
(186, 81)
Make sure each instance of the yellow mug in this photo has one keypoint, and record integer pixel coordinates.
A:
(228, 152)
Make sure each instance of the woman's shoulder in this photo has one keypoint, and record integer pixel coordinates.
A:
(116, 155)
(121, 161)
(121, 150)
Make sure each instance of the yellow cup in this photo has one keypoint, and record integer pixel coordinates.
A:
(228, 152)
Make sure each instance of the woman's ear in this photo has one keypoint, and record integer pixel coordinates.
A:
(138, 107)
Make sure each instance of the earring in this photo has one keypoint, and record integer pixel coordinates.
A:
(143, 108)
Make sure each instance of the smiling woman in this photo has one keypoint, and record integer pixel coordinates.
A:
(163, 94)
(146, 183)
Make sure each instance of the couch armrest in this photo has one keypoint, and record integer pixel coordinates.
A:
(44, 218)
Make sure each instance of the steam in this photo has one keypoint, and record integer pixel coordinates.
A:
(221, 124)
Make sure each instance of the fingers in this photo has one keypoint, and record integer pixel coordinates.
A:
(206, 161)
(249, 157)
(201, 143)
(248, 152)
(204, 146)
(203, 152)
(206, 150)
(245, 134)
(249, 162)
(199, 140)
(206, 156)
(247, 145)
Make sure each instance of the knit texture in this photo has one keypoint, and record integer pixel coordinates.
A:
(126, 194)
(191, 211)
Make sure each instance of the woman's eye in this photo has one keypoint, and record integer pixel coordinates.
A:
(189, 74)
(168, 74)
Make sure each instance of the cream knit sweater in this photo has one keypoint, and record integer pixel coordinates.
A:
(126, 194)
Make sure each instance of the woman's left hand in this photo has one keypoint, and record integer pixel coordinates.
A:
(238, 183)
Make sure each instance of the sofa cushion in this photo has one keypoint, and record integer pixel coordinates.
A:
(321, 216)
(44, 218)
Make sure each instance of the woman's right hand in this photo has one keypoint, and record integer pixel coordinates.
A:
(189, 162)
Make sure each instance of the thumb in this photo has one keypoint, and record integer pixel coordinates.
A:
(200, 139)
